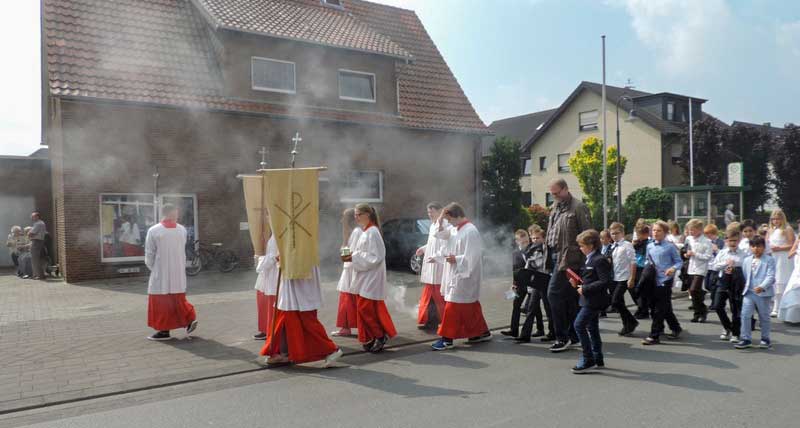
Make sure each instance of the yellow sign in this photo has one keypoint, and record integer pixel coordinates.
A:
(257, 212)
(293, 201)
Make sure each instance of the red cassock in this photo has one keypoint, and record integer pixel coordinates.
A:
(265, 305)
(347, 313)
(462, 320)
(169, 311)
(430, 294)
(374, 320)
(305, 336)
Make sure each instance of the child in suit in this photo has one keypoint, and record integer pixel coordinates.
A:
(759, 273)
(536, 266)
(595, 277)
(730, 283)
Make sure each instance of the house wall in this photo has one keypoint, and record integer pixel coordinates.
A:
(114, 148)
(639, 143)
(26, 187)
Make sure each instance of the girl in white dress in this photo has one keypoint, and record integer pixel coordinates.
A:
(789, 311)
(781, 240)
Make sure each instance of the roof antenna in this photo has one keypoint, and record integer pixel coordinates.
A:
(629, 84)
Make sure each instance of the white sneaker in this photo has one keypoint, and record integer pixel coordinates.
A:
(774, 314)
(725, 336)
(734, 339)
(330, 359)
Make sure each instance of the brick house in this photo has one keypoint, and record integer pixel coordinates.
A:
(193, 89)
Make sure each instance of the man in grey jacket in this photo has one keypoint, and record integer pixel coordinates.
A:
(568, 218)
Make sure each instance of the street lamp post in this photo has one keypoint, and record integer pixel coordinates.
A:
(631, 118)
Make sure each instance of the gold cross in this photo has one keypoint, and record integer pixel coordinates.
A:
(297, 201)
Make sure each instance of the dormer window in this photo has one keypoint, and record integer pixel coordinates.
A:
(671, 111)
(356, 86)
(332, 3)
(273, 75)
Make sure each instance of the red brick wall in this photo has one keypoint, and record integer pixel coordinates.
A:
(114, 149)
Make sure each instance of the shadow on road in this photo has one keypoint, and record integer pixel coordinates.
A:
(672, 379)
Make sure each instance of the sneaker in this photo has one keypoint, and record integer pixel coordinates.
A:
(765, 344)
(191, 327)
(159, 336)
(734, 339)
(773, 314)
(368, 346)
(583, 368)
(277, 359)
(379, 344)
(674, 334)
(260, 336)
(725, 336)
(559, 347)
(330, 359)
(600, 363)
(548, 338)
(441, 345)
(509, 333)
(650, 341)
(485, 337)
(743, 344)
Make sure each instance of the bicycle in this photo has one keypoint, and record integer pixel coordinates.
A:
(200, 255)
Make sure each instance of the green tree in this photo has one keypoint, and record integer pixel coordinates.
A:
(753, 147)
(502, 194)
(647, 202)
(711, 155)
(787, 174)
(587, 165)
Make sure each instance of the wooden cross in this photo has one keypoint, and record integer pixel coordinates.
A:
(295, 140)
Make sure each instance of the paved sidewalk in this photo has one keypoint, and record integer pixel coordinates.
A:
(61, 342)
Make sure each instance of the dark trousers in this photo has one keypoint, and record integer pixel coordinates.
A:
(15, 259)
(641, 299)
(661, 299)
(698, 295)
(722, 296)
(587, 326)
(711, 287)
(37, 258)
(516, 309)
(563, 306)
(535, 314)
(618, 303)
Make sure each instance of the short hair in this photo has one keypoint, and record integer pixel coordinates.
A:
(757, 241)
(37, 213)
(617, 226)
(733, 233)
(535, 229)
(663, 225)
(16, 229)
(453, 209)
(642, 228)
(560, 182)
(589, 238)
(711, 228)
(748, 223)
(168, 208)
(695, 223)
(604, 232)
(434, 206)
(521, 233)
(671, 225)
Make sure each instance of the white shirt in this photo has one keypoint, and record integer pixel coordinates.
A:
(461, 281)
(267, 268)
(130, 233)
(703, 250)
(346, 284)
(432, 267)
(624, 256)
(300, 294)
(720, 262)
(369, 264)
(165, 256)
(744, 245)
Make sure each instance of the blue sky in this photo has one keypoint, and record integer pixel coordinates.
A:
(517, 56)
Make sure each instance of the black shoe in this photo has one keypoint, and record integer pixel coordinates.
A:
(584, 368)
(485, 337)
(600, 363)
(191, 327)
(378, 345)
(509, 333)
(548, 338)
(368, 346)
(674, 334)
(522, 340)
(627, 330)
(603, 314)
(538, 333)
(559, 347)
(159, 336)
(641, 316)
(650, 341)
(260, 336)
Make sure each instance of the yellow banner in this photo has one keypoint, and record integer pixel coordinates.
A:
(257, 212)
(293, 202)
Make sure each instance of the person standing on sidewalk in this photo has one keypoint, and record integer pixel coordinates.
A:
(165, 256)
(37, 235)
(431, 302)
(568, 218)
(461, 280)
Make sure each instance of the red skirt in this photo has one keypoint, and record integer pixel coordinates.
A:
(265, 305)
(347, 315)
(374, 320)
(169, 311)
(462, 320)
(130, 250)
(430, 294)
(305, 336)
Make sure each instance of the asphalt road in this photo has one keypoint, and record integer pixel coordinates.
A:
(698, 381)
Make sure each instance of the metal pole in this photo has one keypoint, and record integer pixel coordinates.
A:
(691, 147)
(156, 214)
(619, 177)
(605, 161)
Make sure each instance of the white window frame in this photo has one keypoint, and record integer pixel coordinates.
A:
(268, 89)
(527, 165)
(380, 188)
(565, 168)
(589, 127)
(363, 100)
(542, 163)
(670, 114)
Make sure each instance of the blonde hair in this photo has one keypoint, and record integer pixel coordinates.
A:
(671, 226)
(589, 238)
(617, 226)
(695, 223)
(521, 233)
(15, 229)
(780, 215)
(663, 225)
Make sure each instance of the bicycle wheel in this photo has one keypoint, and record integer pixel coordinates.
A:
(193, 264)
(227, 260)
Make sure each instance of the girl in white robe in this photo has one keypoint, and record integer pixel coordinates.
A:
(266, 288)
(346, 317)
(431, 302)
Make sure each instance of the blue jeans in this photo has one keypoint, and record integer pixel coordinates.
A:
(587, 325)
(751, 302)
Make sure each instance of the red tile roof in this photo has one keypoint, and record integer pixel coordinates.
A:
(162, 52)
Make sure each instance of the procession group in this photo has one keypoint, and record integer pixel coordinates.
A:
(576, 273)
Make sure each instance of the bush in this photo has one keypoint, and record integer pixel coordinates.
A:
(524, 220)
(647, 202)
(539, 215)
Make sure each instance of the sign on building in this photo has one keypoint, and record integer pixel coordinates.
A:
(735, 174)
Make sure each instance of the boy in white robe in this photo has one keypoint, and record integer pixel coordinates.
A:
(346, 317)
(165, 256)
(431, 302)
(266, 288)
(461, 281)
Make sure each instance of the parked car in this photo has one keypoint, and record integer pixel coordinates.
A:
(402, 237)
